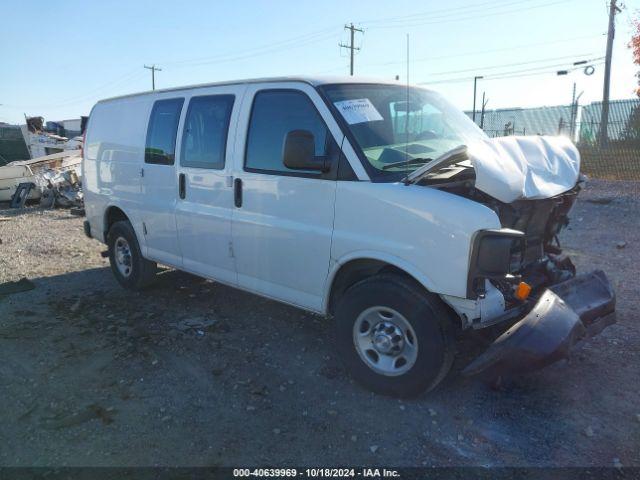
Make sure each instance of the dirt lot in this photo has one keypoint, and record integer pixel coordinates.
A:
(194, 373)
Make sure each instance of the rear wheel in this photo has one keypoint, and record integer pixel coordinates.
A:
(129, 267)
(394, 337)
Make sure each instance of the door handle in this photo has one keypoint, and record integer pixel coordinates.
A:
(182, 186)
(237, 192)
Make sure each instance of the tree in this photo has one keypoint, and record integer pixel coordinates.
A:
(634, 45)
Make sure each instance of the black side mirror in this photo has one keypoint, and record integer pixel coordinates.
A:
(299, 151)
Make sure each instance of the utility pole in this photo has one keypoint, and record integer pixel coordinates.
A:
(475, 83)
(573, 113)
(484, 106)
(351, 46)
(153, 69)
(408, 110)
(604, 119)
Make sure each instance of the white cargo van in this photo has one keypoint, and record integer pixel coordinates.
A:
(374, 203)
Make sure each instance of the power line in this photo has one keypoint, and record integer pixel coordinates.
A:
(525, 74)
(471, 53)
(424, 18)
(481, 52)
(113, 86)
(352, 48)
(517, 64)
(311, 38)
(323, 34)
(292, 42)
(135, 74)
(541, 70)
(250, 55)
(124, 79)
(428, 12)
(493, 67)
(458, 18)
(89, 95)
(446, 12)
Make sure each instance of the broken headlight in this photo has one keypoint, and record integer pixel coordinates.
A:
(495, 255)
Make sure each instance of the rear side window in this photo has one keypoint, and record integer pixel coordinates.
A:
(204, 139)
(163, 129)
(275, 113)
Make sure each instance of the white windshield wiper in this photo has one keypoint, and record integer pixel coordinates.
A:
(410, 161)
(448, 158)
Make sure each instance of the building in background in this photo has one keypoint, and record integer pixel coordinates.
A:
(581, 123)
(525, 121)
(37, 139)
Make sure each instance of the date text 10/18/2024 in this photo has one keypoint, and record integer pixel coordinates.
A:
(316, 472)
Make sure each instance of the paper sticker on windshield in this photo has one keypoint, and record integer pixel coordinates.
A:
(358, 111)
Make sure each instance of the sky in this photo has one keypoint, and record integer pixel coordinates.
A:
(58, 58)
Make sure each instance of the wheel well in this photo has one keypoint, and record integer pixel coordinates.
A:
(113, 215)
(356, 270)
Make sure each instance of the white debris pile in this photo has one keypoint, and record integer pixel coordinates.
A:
(59, 188)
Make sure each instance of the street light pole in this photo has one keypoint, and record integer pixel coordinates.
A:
(574, 100)
(475, 84)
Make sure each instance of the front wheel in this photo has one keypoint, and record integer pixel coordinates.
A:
(394, 338)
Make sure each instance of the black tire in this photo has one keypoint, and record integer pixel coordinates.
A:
(142, 271)
(428, 317)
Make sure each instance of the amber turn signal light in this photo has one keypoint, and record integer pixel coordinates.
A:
(523, 290)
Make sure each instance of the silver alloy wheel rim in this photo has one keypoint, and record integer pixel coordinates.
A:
(122, 256)
(385, 341)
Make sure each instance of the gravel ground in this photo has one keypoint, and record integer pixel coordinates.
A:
(192, 373)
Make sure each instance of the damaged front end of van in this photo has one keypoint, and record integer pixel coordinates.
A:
(531, 183)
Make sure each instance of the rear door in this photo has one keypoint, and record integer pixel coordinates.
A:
(205, 203)
(283, 218)
(159, 189)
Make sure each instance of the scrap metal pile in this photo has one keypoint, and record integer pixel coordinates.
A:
(54, 180)
(59, 188)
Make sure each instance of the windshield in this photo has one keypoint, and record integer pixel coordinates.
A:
(399, 129)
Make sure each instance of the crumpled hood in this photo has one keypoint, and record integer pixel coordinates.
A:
(533, 167)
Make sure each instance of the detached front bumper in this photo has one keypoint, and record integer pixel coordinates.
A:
(563, 315)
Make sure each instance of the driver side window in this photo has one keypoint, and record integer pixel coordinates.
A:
(274, 114)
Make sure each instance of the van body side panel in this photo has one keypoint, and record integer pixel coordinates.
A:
(113, 156)
(159, 195)
(421, 227)
(203, 216)
(282, 246)
(282, 232)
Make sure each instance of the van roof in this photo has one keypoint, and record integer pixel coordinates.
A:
(311, 80)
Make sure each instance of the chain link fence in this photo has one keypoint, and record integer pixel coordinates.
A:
(617, 158)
